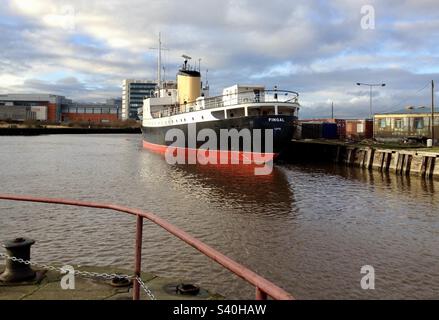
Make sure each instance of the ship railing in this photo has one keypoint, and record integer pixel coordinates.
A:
(232, 100)
(244, 97)
(254, 96)
(169, 111)
(264, 288)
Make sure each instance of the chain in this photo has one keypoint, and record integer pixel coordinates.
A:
(28, 262)
(145, 288)
(86, 274)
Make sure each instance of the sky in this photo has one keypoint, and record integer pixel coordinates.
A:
(83, 49)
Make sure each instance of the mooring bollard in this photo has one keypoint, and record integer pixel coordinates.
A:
(16, 271)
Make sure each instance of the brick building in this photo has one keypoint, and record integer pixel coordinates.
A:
(92, 112)
(53, 103)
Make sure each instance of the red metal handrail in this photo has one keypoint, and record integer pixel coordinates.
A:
(264, 287)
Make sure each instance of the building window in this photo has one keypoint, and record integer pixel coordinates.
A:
(383, 123)
(398, 123)
(419, 123)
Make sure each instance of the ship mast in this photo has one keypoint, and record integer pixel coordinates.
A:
(159, 63)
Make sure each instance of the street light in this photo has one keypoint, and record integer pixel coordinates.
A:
(370, 86)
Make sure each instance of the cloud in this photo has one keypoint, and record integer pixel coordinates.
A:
(83, 49)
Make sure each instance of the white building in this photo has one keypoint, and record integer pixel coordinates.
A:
(40, 112)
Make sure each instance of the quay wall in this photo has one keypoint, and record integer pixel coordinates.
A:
(398, 161)
(66, 130)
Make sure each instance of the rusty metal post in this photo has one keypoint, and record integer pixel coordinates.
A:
(138, 258)
(260, 295)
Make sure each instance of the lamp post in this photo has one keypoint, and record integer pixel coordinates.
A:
(432, 111)
(332, 110)
(370, 87)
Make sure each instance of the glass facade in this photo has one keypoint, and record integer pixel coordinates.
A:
(135, 91)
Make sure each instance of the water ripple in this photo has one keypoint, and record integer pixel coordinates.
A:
(307, 228)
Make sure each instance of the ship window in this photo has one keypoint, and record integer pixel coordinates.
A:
(268, 111)
(202, 117)
(236, 113)
(193, 119)
(218, 114)
(286, 110)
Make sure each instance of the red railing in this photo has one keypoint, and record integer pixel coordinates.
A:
(264, 287)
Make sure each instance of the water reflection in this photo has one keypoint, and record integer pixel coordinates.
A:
(411, 184)
(231, 185)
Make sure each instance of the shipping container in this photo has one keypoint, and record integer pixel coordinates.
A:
(359, 129)
(312, 130)
(319, 130)
(341, 128)
(329, 130)
(341, 125)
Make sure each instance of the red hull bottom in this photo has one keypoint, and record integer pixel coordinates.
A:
(199, 156)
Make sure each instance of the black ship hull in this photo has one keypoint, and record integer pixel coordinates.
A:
(281, 129)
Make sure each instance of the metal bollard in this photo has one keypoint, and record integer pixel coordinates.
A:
(16, 271)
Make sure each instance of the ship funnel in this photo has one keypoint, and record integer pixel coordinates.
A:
(189, 85)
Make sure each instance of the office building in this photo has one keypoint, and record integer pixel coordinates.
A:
(133, 93)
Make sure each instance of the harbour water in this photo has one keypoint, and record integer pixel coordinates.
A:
(307, 228)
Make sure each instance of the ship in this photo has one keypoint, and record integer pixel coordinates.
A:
(183, 110)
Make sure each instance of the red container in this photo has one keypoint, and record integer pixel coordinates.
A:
(341, 128)
(359, 129)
